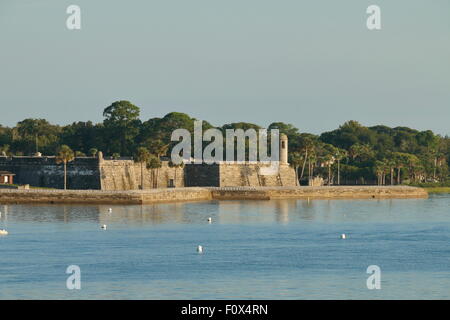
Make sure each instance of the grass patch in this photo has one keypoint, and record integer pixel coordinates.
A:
(44, 188)
(438, 189)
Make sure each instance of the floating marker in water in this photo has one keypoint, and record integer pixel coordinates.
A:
(209, 219)
(104, 227)
(200, 249)
(343, 236)
(3, 232)
(110, 210)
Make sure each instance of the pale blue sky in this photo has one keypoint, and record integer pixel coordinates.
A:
(310, 63)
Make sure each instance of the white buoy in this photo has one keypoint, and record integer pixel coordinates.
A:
(209, 219)
(104, 227)
(110, 210)
(3, 232)
(343, 236)
(200, 249)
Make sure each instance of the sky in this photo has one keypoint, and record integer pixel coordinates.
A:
(312, 63)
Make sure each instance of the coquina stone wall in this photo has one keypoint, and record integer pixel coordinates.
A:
(126, 175)
(232, 175)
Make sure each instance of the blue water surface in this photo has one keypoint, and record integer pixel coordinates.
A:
(278, 249)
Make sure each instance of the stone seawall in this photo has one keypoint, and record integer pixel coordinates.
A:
(104, 197)
(348, 192)
(202, 194)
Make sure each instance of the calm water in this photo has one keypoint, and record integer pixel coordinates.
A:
(287, 249)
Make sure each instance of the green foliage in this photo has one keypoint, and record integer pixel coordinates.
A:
(36, 135)
(64, 154)
(154, 162)
(352, 153)
(121, 126)
(4, 150)
(84, 136)
(142, 155)
(93, 152)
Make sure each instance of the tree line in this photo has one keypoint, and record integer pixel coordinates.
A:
(351, 154)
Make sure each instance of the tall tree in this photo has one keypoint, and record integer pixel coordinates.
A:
(122, 126)
(142, 156)
(154, 163)
(65, 155)
(296, 160)
(306, 143)
(340, 154)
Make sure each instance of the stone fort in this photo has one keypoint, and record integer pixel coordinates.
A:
(99, 173)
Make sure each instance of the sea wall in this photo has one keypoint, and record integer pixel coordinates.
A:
(351, 192)
(201, 194)
(82, 173)
(103, 197)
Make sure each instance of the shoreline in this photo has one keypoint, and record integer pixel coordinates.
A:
(134, 197)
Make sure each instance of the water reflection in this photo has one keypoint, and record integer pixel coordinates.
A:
(234, 212)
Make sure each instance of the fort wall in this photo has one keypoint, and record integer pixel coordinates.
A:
(232, 175)
(82, 173)
(126, 175)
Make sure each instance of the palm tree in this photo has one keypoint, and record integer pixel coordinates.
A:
(307, 144)
(312, 162)
(65, 155)
(413, 166)
(328, 161)
(157, 148)
(154, 163)
(4, 150)
(340, 155)
(142, 156)
(379, 170)
(327, 157)
(116, 156)
(400, 160)
(391, 163)
(296, 162)
(93, 152)
(362, 151)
